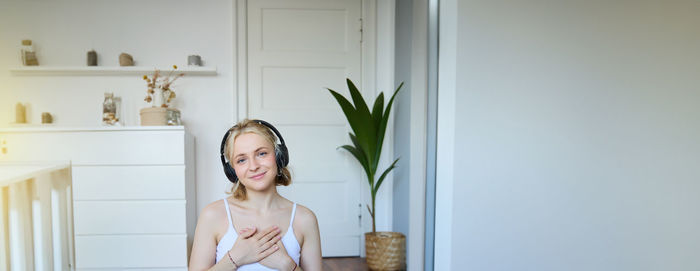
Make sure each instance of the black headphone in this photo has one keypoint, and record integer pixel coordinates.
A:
(281, 152)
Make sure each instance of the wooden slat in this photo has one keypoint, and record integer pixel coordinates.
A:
(31, 227)
(19, 172)
(42, 223)
(62, 219)
(67, 191)
(4, 229)
(21, 241)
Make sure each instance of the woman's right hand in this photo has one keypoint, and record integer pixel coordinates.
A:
(253, 246)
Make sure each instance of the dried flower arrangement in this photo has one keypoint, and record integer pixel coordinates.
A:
(162, 86)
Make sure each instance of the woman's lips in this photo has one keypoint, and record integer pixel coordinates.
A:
(258, 177)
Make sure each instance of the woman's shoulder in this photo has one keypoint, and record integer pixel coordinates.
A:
(213, 211)
(304, 216)
(305, 224)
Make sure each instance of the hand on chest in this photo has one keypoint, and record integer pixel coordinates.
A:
(242, 218)
(281, 220)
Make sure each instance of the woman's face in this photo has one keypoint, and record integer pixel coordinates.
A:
(254, 161)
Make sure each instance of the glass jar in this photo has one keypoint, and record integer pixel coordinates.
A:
(28, 54)
(109, 110)
(173, 117)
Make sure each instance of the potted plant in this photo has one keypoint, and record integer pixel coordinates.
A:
(385, 250)
(159, 94)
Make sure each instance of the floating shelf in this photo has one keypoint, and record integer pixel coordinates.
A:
(107, 70)
(17, 128)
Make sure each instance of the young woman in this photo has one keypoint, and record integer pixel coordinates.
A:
(255, 228)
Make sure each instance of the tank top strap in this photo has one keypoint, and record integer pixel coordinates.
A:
(294, 209)
(228, 214)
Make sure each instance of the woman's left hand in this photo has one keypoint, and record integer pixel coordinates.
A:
(279, 259)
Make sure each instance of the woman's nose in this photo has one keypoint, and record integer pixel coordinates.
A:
(254, 164)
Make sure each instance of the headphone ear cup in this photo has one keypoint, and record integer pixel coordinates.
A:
(281, 155)
(228, 170)
(231, 174)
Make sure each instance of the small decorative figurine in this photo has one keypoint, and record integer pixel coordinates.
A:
(126, 60)
(20, 113)
(46, 118)
(92, 58)
(194, 60)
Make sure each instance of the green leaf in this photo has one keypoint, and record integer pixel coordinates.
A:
(382, 124)
(381, 178)
(360, 158)
(357, 99)
(345, 105)
(357, 153)
(365, 162)
(377, 110)
(355, 120)
(369, 130)
(367, 123)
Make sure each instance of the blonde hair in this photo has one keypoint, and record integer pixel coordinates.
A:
(284, 177)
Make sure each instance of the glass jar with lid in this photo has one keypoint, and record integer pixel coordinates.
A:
(109, 110)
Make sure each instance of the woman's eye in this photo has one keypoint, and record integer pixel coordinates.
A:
(240, 161)
(262, 153)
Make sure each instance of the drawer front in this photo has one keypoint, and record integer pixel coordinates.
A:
(131, 251)
(129, 217)
(97, 147)
(128, 182)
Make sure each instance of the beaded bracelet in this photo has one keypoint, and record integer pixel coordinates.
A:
(235, 265)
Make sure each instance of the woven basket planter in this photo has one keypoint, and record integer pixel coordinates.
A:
(385, 250)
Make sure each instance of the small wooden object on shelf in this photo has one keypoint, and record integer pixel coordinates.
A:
(20, 113)
(92, 58)
(126, 60)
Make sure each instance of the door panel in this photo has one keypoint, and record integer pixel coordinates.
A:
(297, 49)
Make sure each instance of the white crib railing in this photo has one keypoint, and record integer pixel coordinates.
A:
(36, 232)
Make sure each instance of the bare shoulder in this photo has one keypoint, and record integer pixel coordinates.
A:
(311, 240)
(213, 215)
(213, 210)
(305, 217)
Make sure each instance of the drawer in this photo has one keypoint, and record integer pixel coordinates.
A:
(131, 251)
(97, 147)
(128, 182)
(129, 217)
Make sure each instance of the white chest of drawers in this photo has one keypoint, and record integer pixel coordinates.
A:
(133, 191)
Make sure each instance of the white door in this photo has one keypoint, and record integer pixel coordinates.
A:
(295, 49)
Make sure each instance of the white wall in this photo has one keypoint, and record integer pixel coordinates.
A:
(156, 33)
(576, 130)
(402, 117)
(410, 127)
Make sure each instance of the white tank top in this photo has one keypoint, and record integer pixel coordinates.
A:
(226, 243)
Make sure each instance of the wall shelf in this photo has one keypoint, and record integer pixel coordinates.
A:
(108, 70)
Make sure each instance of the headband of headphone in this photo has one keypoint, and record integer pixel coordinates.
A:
(281, 152)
